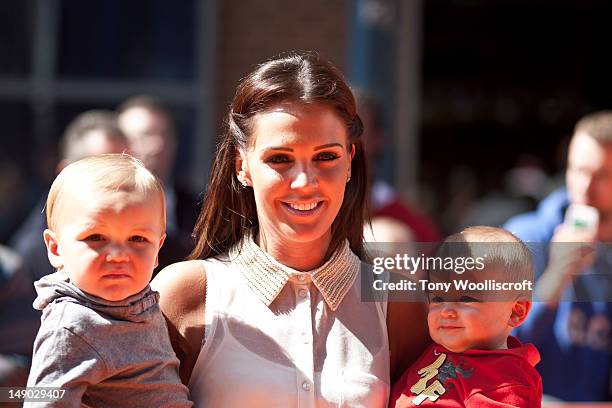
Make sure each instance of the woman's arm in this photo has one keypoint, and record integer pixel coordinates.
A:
(408, 335)
(182, 288)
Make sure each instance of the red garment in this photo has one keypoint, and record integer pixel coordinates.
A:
(423, 228)
(474, 378)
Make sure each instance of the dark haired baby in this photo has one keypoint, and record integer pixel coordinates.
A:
(474, 361)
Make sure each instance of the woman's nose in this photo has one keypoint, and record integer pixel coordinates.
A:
(305, 177)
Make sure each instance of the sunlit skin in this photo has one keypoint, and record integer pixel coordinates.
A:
(93, 143)
(299, 155)
(149, 137)
(465, 325)
(107, 242)
(463, 321)
(97, 141)
(589, 179)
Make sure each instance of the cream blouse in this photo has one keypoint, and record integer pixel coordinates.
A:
(277, 337)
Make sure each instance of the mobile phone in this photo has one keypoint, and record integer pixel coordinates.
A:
(582, 217)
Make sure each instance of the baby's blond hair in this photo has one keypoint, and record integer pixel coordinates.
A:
(106, 173)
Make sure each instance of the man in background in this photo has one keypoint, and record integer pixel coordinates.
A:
(570, 322)
(151, 134)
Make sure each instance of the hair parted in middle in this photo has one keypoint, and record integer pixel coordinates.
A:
(229, 210)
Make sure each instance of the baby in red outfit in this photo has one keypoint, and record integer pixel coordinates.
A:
(474, 361)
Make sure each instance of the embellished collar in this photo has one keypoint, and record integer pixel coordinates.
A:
(266, 277)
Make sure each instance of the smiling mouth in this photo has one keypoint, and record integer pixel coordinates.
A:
(303, 208)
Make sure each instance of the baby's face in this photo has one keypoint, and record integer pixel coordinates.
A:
(107, 242)
(463, 321)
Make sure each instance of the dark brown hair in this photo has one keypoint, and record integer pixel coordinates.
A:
(228, 210)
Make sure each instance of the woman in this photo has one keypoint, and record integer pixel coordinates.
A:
(268, 311)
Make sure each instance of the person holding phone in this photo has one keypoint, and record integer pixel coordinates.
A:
(569, 235)
(268, 311)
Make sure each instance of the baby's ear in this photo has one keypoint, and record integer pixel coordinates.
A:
(520, 310)
(53, 250)
(161, 243)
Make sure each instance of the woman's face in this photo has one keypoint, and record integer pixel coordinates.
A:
(297, 163)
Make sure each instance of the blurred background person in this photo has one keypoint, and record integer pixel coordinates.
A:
(151, 134)
(386, 203)
(571, 323)
(18, 320)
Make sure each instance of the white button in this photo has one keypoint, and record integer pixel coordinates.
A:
(306, 386)
(301, 278)
(305, 338)
(302, 293)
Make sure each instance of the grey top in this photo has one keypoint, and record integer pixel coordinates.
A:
(104, 354)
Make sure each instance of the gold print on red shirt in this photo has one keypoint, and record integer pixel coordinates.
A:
(443, 369)
(433, 390)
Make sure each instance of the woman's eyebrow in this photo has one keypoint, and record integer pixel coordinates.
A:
(325, 146)
(283, 148)
(289, 149)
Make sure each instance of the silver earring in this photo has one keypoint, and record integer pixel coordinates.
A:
(348, 178)
(242, 178)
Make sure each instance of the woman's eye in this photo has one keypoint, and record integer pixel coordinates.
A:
(437, 299)
(94, 238)
(278, 158)
(138, 238)
(326, 156)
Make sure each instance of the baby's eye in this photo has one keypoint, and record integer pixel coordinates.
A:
(326, 156)
(278, 158)
(94, 238)
(138, 238)
(468, 299)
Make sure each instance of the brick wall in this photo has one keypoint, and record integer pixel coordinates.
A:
(252, 31)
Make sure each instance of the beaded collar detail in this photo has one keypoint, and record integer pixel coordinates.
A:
(266, 277)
